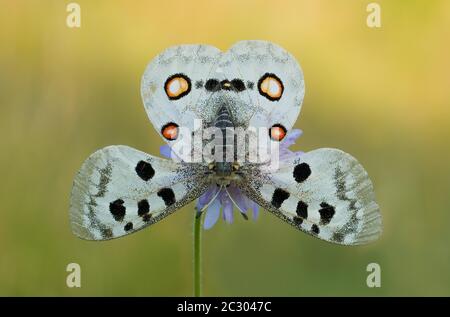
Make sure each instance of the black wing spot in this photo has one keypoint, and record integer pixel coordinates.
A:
(143, 207)
(212, 85)
(238, 85)
(147, 217)
(199, 84)
(279, 195)
(315, 229)
(145, 170)
(128, 226)
(298, 221)
(117, 209)
(250, 85)
(326, 213)
(301, 172)
(302, 209)
(167, 195)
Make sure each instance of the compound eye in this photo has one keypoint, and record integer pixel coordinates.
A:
(177, 86)
(277, 132)
(270, 86)
(170, 131)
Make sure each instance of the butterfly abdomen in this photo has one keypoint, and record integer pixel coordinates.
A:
(224, 160)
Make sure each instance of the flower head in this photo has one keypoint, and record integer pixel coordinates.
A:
(216, 198)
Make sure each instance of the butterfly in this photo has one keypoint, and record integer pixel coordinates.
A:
(325, 193)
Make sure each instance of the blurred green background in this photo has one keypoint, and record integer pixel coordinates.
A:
(380, 94)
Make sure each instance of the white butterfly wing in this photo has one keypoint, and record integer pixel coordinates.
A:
(267, 86)
(325, 193)
(274, 83)
(172, 87)
(120, 190)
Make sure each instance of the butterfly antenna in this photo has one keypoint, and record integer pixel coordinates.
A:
(237, 206)
(200, 212)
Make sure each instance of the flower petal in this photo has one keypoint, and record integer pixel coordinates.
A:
(166, 151)
(212, 214)
(285, 153)
(291, 137)
(228, 211)
(206, 197)
(255, 208)
(251, 205)
(238, 197)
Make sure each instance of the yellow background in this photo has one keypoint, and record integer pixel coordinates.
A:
(380, 94)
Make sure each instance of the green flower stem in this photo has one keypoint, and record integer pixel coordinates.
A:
(197, 254)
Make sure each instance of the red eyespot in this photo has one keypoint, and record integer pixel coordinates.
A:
(271, 87)
(170, 131)
(177, 86)
(277, 132)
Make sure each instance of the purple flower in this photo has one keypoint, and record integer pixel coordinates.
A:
(224, 199)
(291, 137)
(216, 199)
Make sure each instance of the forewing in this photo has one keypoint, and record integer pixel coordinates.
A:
(120, 190)
(185, 100)
(247, 63)
(252, 61)
(325, 193)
